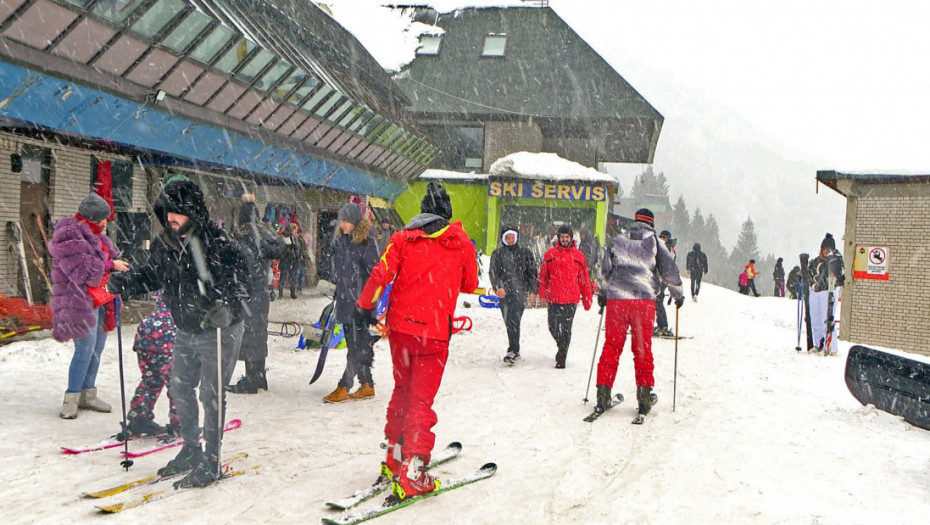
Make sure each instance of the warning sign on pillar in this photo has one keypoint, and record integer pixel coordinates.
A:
(871, 262)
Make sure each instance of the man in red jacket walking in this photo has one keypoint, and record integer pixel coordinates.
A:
(430, 262)
(563, 279)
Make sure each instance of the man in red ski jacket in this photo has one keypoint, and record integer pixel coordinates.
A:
(563, 279)
(430, 262)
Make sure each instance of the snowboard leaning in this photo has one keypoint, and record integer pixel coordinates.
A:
(896, 384)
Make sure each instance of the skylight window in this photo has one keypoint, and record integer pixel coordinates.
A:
(494, 45)
(429, 45)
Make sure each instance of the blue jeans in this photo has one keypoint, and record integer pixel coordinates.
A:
(86, 359)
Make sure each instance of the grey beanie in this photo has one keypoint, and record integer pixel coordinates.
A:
(351, 212)
(94, 208)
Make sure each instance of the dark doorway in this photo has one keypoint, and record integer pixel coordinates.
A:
(326, 228)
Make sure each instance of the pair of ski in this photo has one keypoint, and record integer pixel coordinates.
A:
(163, 442)
(226, 470)
(392, 502)
(638, 420)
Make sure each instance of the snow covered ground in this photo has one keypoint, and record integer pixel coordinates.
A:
(760, 435)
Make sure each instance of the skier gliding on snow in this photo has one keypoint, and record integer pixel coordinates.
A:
(430, 262)
(629, 282)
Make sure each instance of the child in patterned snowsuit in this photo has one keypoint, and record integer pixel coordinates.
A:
(153, 346)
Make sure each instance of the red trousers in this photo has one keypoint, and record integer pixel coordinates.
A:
(419, 363)
(623, 315)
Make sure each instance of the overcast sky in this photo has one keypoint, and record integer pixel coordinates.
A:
(758, 96)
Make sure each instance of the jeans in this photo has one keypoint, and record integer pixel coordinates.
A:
(82, 374)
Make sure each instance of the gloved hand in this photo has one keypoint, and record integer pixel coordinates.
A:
(602, 303)
(117, 283)
(363, 317)
(218, 315)
(680, 302)
(669, 300)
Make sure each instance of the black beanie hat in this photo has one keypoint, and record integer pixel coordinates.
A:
(436, 201)
(665, 234)
(566, 229)
(645, 215)
(828, 242)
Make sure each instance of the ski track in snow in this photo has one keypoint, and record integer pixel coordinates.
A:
(760, 434)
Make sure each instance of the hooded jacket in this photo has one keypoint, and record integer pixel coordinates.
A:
(696, 262)
(78, 261)
(821, 267)
(430, 262)
(635, 263)
(354, 255)
(200, 273)
(513, 268)
(563, 277)
(261, 246)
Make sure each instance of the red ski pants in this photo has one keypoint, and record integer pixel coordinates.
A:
(419, 363)
(636, 315)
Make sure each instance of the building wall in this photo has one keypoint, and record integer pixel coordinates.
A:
(469, 204)
(503, 138)
(580, 150)
(890, 313)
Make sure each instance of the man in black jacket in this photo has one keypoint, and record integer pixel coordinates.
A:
(696, 266)
(261, 246)
(203, 275)
(513, 275)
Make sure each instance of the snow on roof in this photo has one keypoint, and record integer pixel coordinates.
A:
(453, 176)
(546, 166)
(391, 35)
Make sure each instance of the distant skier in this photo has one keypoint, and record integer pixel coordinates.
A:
(563, 280)
(430, 262)
(794, 281)
(513, 277)
(696, 266)
(630, 277)
(829, 263)
(779, 276)
(751, 273)
(662, 328)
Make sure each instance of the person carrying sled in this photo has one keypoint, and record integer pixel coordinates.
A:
(83, 258)
(430, 262)
(203, 275)
(696, 266)
(563, 279)
(262, 247)
(826, 266)
(631, 271)
(354, 255)
(513, 278)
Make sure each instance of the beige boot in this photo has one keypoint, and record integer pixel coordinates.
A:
(69, 407)
(90, 401)
(337, 396)
(364, 390)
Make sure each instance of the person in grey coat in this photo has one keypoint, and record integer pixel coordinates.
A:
(354, 255)
(631, 272)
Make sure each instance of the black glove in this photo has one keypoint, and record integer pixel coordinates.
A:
(363, 317)
(218, 315)
(117, 283)
(602, 303)
(669, 300)
(680, 302)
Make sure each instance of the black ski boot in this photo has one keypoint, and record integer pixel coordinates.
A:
(189, 457)
(604, 399)
(204, 473)
(253, 380)
(140, 427)
(646, 399)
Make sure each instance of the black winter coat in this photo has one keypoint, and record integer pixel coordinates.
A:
(354, 256)
(513, 268)
(696, 262)
(779, 273)
(821, 268)
(262, 247)
(199, 274)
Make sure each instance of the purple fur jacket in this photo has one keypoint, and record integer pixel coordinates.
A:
(78, 261)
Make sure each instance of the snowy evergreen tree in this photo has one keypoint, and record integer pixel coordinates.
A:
(648, 183)
(698, 227)
(681, 223)
(716, 254)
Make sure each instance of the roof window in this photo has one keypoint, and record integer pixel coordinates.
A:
(495, 44)
(429, 45)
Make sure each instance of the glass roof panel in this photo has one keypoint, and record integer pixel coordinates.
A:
(272, 76)
(254, 67)
(236, 55)
(116, 10)
(157, 17)
(207, 49)
(180, 38)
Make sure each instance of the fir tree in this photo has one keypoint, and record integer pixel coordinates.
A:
(681, 221)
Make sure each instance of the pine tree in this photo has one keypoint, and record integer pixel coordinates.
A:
(643, 183)
(747, 246)
(660, 185)
(698, 227)
(681, 221)
(717, 262)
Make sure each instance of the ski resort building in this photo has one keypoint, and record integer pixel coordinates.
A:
(885, 249)
(244, 96)
(492, 82)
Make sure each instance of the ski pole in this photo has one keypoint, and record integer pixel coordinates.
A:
(798, 291)
(220, 393)
(126, 463)
(675, 380)
(596, 341)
